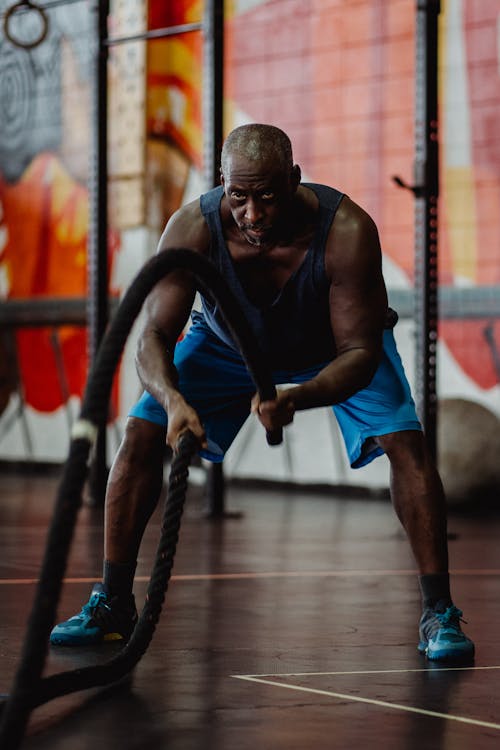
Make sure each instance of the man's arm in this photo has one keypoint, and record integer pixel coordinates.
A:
(358, 305)
(167, 310)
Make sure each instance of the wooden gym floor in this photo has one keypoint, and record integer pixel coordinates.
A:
(291, 627)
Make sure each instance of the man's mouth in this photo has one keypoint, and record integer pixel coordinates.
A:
(254, 231)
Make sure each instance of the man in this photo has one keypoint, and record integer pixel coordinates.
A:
(305, 262)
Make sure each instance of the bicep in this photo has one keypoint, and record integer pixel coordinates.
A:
(358, 297)
(170, 302)
(168, 306)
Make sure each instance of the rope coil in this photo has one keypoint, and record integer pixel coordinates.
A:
(29, 689)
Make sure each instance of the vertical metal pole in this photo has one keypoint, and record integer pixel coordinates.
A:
(213, 85)
(213, 112)
(426, 214)
(98, 233)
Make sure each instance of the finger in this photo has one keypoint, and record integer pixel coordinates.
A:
(187, 440)
(255, 404)
(197, 433)
(270, 409)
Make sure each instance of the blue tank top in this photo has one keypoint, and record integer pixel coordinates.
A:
(294, 331)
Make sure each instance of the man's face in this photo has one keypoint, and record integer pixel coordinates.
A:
(259, 195)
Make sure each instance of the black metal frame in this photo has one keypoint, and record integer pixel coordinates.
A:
(426, 192)
(426, 215)
(98, 271)
(213, 85)
(98, 312)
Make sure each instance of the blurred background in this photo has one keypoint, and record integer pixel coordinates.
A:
(344, 80)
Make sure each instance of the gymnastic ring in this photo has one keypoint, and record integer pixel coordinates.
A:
(29, 6)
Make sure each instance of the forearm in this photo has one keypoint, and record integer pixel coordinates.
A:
(158, 375)
(156, 369)
(339, 380)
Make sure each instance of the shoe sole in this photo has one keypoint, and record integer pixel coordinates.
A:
(445, 654)
(75, 640)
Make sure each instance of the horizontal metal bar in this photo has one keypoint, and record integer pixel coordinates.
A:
(42, 6)
(459, 303)
(49, 311)
(145, 36)
(453, 302)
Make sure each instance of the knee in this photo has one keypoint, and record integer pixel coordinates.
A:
(142, 441)
(408, 448)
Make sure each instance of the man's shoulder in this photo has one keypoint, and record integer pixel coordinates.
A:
(347, 205)
(353, 215)
(320, 187)
(319, 194)
(189, 210)
(352, 235)
(187, 228)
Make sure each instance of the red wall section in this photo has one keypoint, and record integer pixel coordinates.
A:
(341, 84)
(481, 23)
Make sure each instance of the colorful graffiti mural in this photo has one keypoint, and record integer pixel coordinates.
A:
(173, 107)
(174, 100)
(46, 215)
(44, 201)
(44, 155)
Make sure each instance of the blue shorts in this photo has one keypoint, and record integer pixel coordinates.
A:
(214, 380)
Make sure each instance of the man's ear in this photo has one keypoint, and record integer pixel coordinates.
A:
(221, 177)
(295, 177)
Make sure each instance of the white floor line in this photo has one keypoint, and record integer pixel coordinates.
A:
(373, 702)
(368, 671)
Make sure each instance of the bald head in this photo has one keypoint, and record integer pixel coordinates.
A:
(258, 143)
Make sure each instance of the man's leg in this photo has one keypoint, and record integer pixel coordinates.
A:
(382, 417)
(215, 381)
(418, 499)
(134, 487)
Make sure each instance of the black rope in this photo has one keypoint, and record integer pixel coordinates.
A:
(29, 688)
(127, 658)
(210, 282)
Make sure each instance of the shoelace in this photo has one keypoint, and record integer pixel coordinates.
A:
(108, 619)
(451, 617)
(95, 601)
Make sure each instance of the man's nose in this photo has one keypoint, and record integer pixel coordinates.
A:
(253, 212)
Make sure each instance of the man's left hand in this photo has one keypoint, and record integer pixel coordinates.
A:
(276, 413)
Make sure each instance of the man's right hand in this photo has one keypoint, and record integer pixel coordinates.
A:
(182, 417)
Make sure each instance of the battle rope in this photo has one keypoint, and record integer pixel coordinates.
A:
(29, 688)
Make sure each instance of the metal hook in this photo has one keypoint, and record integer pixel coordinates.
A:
(417, 190)
(29, 6)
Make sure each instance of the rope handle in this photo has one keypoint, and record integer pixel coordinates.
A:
(274, 437)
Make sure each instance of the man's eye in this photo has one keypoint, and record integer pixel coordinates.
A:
(267, 196)
(237, 196)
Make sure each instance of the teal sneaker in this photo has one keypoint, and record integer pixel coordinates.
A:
(101, 619)
(441, 636)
